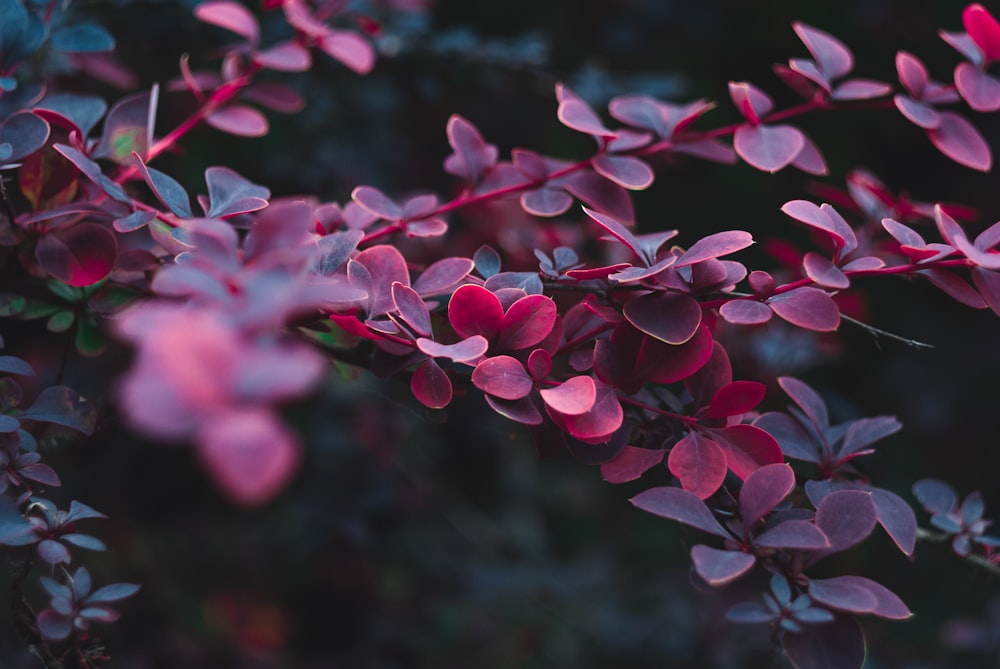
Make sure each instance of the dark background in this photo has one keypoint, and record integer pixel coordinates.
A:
(411, 540)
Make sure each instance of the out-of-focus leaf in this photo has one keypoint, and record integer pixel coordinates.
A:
(62, 405)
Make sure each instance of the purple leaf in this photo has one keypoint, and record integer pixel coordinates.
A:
(979, 89)
(231, 16)
(53, 625)
(166, 189)
(699, 463)
(472, 156)
(576, 114)
(546, 201)
(527, 322)
(794, 440)
(502, 376)
(918, 113)
(719, 567)
(113, 593)
(763, 489)
(810, 159)
(412, 309)
(128, 127)
(467, 350)
(41, 473)
(240, 120)
(807, 307)
(846, 517)
(836, 645)
(230, 194)
(600, 194)
(746, 312)
(80, 255)
(682, 506)
(824, 218)
(752, 102)
(959, 140)
(521, 411)
(861, 89)
(572, 397)
(896, 518)
(284, 57)
(630, 464)
(431, 386)
(11, 365)
(85, 541)
(834, 59)
(843, 594)
(376, 202)
(442, 276)
(667, 363)
(714, 246)
(672, 318)
(988, 284)
(887, 603)
(768, 147)
(625, 171)
(350, 49)
(53, 552)
(386, 265)
(793, 535)
(866, 431)
(92, 171)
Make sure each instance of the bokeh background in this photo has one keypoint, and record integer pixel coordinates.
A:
(438, 540)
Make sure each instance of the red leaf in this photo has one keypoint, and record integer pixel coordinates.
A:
(600, 421)
(735, 399)
(80, 255)
(747, 448)
(473, 310)
(572, 397)
(431, 385)
(521, 411)
(502, 376)
(959, 140)
(807, 307)
(768, 147)
(719, 567)
(527, 322)
(699, 463)
(983, 29)
(630, 464)
(236, 119)
(666, 363)
(672, 318)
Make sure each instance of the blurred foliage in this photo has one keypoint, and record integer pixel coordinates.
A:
(414, 539)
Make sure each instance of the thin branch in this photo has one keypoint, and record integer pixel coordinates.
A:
(878, 332)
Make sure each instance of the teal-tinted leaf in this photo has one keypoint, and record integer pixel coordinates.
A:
(11, 305)
(60, 321)
(63, 406)
(83, 38)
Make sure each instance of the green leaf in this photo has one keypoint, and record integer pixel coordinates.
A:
(60, 321)
(90, 340)
(11, 304)
(68, 293)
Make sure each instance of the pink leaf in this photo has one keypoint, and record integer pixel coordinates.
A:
(807, 307)
(442, 275)
(600, 194)
(668, 363)
(502, 376)
(768, 147)
(917, 113)
(719, 567)
(988, 284)
(467, 350)
(912, 74)
(285, 57)
(473, 310)
(834, 59)
(630, 464)
(572, 397)
(979, 89)
(861, 89)
(699, 463)
(239, 120)
(673, 318)
(386, 265)
(625, 171)
(959, 140)
(350, 49)
(745, 312)
(411, 309)
(546, 201)
(762, 490)
(251, 456)
(527, 322)
(431, 385)
(229, 193)
(229, 15)
(601, 420)
(576, 114)
(80, 255)
(824, 272)
(810, 159)
(752, 102)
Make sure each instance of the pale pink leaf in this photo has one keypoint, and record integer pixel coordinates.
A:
(768, 147)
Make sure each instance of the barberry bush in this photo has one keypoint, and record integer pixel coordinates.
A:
(716, 299)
